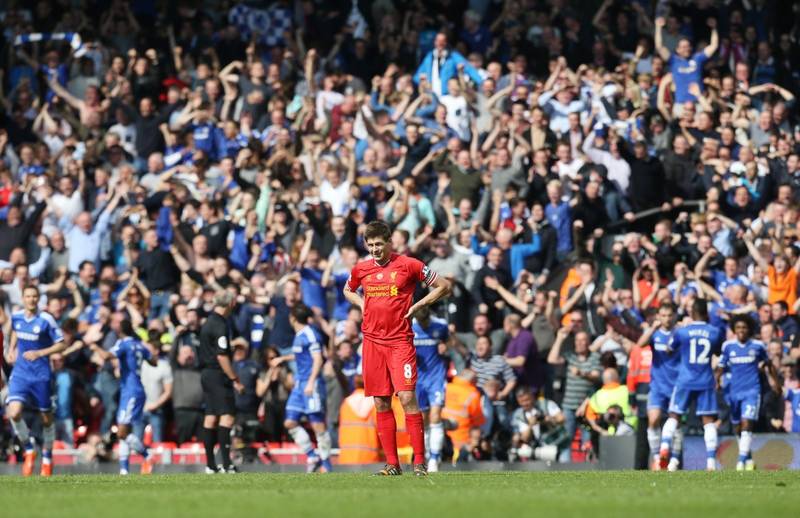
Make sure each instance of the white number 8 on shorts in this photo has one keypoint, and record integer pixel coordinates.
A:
(407, 372)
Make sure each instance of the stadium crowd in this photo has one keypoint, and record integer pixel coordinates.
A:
(568, 174)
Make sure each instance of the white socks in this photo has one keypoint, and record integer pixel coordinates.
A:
(324, 445)
(710, 438)
(48, 436)
(668, 432)
(301, 438)
(654, 440)
(745, 442)
(436, 440)
(21, 430)
(135, 443)
(124, 452)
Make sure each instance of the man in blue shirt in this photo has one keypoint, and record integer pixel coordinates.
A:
(441, 64)
(744, 358)
(308, 395)
(34, 338)
(559, 215)
(429, 334)
(686, 68)
(128, 353)
(663, 373)
(694, 343)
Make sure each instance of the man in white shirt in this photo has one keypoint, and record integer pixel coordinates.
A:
(566, 166)
(334, 190)
(458, 114)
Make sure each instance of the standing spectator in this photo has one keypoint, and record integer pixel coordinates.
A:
(442, 63)
(159, 273)
(686, 69)
(187, 393)
(583, 373)
(157, 382)
(522, 354)
(496, 380)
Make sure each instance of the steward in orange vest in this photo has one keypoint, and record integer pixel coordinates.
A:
(462, 405)
(358, 434)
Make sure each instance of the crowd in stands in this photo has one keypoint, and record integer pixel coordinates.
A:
(569, 166)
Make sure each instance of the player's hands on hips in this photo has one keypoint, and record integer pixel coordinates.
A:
(31, 355)
(309, 389)
(238, 387)
(413, 309)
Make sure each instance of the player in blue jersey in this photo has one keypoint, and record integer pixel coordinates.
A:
(308, 395)
(430, 335)
(129, 354)
(663, 373)
(34, 337)
(744, 358)
(694, 343)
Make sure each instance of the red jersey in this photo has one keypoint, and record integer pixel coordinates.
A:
(388, 291)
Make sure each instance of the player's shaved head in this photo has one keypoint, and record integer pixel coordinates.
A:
(700, 310)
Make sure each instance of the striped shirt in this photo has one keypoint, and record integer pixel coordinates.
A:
(493, 368)
(578, 388)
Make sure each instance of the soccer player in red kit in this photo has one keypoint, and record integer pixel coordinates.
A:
(389, 360)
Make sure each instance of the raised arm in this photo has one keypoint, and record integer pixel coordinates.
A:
(713, 45)
(64, 94)
(758, 258)
(554, 356)
(659, 42)
(701, 265)
(493, 284)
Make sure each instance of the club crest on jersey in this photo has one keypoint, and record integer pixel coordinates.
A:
(393, 275)
(36, 329)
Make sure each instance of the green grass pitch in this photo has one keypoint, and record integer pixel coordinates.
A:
(494, 495)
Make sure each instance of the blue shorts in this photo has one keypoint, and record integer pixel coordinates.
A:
(430, 393)
(682, 398)
(745, 406)
(313, 406)
(37, 394)
(131, 409)
(658, 397)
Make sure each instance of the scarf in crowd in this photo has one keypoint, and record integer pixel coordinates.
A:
(73, 38)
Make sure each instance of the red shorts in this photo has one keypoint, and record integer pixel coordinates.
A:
(388, 369)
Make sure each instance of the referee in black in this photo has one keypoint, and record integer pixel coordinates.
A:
(219, 382)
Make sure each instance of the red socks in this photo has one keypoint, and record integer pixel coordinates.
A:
(387, 434)
(416, 432)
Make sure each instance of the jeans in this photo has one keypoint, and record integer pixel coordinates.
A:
(156, 422)
(496, 414)
(571, 425)
(107, 387)
(64, 430)
(159, 304)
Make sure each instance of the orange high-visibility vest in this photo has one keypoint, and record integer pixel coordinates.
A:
(572, 280)
(358, 434)
(462, 404)
(639, 367)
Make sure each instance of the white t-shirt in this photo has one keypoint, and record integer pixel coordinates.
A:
(569, 170)
(337, 197)
(457, 115)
